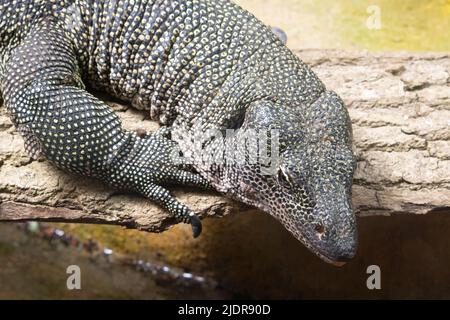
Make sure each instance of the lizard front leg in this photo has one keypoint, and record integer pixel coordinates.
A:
(77, 132)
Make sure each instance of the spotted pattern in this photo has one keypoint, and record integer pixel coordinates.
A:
(194, 65)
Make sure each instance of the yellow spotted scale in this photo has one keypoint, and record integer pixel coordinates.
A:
(195, 65)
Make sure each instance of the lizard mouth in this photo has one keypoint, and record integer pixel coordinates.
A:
(341, 252)
(335, 263)
(335, 250)
(322, 256)
(338, 261)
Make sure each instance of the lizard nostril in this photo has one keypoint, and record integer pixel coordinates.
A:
(320, 229)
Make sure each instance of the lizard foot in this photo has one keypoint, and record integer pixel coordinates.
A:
(196, 224)
(177, 209)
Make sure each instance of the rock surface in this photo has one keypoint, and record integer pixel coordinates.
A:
(400, 107)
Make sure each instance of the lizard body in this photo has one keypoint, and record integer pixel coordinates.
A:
(196, 65)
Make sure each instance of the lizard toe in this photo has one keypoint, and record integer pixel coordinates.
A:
(196, 224)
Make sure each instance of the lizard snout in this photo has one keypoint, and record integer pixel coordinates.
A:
(335, 245)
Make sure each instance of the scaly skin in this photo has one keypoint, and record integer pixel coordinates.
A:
(195, 65)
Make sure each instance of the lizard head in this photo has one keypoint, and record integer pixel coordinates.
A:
(310, 194)
(309, 189)
(314, 183)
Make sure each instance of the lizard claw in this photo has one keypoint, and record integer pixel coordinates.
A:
(196, 224)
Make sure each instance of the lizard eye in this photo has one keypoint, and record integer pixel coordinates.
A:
(284, 178)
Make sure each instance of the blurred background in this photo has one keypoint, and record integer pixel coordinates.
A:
(251, 255)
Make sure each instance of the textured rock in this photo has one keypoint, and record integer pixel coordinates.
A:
(400, 107)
